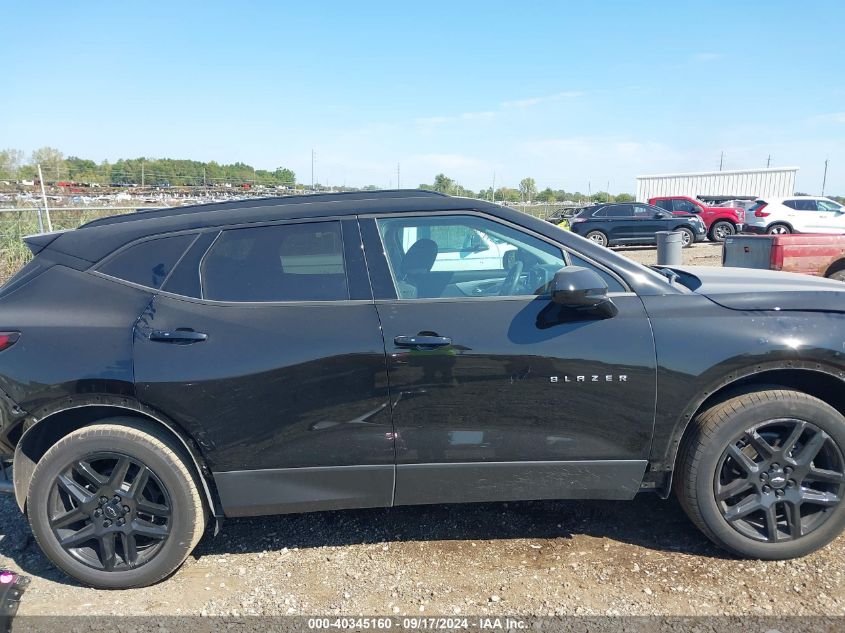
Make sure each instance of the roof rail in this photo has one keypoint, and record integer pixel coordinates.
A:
(271, 201)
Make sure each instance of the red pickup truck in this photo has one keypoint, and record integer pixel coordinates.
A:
(820, 255)
(721, 222)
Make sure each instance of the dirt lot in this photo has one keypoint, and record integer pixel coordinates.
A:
(542, 558)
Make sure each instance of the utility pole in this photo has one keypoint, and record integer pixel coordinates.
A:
(769, 161)
(721, 160)
(313, 158)
(607, 196)
(824, 180)
(203, 177)
(142, 174)
(493, 188)
(44, 196)
(398, 176)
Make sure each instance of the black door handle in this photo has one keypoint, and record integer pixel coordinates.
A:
(177, 336)
(422, 341)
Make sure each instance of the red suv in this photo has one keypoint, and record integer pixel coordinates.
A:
(721, 222)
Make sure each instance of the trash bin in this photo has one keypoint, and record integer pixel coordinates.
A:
(669, 248)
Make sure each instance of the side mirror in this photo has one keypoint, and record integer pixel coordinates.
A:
(577, 287)
(658, 215)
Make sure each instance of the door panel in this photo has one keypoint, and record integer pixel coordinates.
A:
(492, 394)
(268, 389)
(516, 386)
(514, 397)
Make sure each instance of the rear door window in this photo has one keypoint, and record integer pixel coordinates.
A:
(806, 205)
(620, 211)
(289, 262)
(666, 205)
(148, 263)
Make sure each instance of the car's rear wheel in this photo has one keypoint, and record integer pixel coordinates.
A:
(598, 237)
(763, 474)
(721, 230)
(687, 237)
(115, 505)
(779, 229)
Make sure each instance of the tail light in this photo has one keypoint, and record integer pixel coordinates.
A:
(7, 339)
(758, 212)
(777, 256)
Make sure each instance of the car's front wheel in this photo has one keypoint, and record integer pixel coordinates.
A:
(839, 275)
(115, 505)
(763, 474)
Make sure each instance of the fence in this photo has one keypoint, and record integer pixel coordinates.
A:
(17, 223)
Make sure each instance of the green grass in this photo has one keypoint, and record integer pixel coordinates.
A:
(15, 225)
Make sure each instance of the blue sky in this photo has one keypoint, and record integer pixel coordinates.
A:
(568, 93)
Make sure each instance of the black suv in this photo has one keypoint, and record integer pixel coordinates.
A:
(376, 349)
(634, 223)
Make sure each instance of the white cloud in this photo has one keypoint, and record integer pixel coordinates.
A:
(532, 101)
(831, 117)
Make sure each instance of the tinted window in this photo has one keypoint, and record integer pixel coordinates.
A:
(148, 263)
(805, 205)
(792, 204)
(666, 205)
(645, 211)
(291, 262)
(185, 279)
(620, 211)
(684, 205)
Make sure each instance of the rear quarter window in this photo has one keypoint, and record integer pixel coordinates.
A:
(147, 263)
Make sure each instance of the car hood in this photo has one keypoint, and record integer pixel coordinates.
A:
(755, 289)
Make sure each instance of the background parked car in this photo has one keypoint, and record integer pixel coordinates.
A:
(796, 214)
(634, 223)
(720, 222)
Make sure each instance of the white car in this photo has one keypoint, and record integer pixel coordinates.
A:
(464, 248)
(795, 214)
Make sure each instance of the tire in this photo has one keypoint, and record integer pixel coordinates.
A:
(165, 520)
(839, 275)
(721, 508)
(721, 230)
(598, 237)
(688, 237)
(779, 229)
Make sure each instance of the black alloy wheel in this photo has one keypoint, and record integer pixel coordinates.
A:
(110, 511)
(780, 480)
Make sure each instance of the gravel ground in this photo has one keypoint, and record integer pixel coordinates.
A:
(641, 557)
(701, 254)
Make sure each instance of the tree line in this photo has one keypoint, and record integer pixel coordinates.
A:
(527, 192)
(158, 172)
(138, 171)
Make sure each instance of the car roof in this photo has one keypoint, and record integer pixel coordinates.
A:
(94, 240)
(802, 197)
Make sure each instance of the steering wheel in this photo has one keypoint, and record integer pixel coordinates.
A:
(509, 284)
